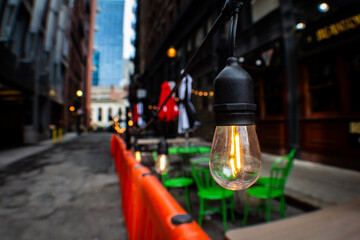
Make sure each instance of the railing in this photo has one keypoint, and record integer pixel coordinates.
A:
(150, 212)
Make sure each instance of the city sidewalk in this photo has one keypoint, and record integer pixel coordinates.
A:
(316, 184)
(13, 155)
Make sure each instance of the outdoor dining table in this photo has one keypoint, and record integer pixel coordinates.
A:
(187, 153)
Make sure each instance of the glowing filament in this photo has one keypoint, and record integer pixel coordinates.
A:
(138, 156)
(162, 163)
(232, 149)
(235, 153)
(238, 155)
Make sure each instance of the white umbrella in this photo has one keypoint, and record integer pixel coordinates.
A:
(188, 121)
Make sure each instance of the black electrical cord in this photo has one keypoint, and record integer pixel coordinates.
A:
(231, 8)
(232, 38)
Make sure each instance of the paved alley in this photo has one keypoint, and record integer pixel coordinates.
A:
(67, 192)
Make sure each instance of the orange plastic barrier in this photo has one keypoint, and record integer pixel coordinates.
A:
(150, 212)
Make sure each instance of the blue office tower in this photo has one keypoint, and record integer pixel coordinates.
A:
(109, 41)
(96, 65)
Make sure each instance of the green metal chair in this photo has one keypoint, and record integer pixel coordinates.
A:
(208, 189)
(284, 160)
(178, 182)
(271, 187)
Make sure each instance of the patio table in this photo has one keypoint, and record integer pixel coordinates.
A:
(187, 153)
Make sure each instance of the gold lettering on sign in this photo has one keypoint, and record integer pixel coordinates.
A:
(354, 127)
(337, 28)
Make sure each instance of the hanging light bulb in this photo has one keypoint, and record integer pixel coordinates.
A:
(138, 156)
(162, 164)
(137, 153)
(235, 158)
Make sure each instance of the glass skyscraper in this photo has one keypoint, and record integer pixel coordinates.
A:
(109, 42)
(96, 68)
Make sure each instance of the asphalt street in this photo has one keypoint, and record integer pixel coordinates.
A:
(67, 192)
(70, 191)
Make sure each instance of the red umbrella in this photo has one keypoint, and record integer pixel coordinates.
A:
(170, 111)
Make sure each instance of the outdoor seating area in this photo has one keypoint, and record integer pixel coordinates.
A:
(214, 208)
(219, 214)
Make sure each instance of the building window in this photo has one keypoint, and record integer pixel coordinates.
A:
(273, 94)
(189, 45)
(354, 83)
(20, 33)
(260, 8)
(199, 37)
(171, 16)
(110, 114)
(99, 114)
(323, 85)
(120, 113)
(8, 19)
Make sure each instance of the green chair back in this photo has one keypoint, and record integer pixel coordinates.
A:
(272, 186)
(281, 170)
(290, 163)
(208, 189)
(202, 175)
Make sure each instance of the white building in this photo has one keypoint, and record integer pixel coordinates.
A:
(107, 103)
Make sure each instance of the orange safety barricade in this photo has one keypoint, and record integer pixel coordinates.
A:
(150, 212)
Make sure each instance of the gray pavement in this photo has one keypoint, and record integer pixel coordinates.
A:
(317, 184)
(70, 191)
(13, 155)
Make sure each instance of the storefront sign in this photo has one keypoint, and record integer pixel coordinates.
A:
(354, 128)
(338, 28)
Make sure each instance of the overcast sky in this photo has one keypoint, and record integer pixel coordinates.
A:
(129, 33)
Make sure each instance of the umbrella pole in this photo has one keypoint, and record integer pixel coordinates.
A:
(186, 138)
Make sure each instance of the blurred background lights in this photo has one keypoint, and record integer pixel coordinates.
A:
(79, 93)
(171, 52)
(130, 123)
(323, 7)
(300, 26)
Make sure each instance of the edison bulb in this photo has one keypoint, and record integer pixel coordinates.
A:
(162, 164)
(235, 158)
(138, 156)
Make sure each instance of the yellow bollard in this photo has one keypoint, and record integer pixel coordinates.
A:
(54, 137)
(60, 134)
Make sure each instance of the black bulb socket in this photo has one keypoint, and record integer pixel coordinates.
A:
(234, 96)
(162, 147)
